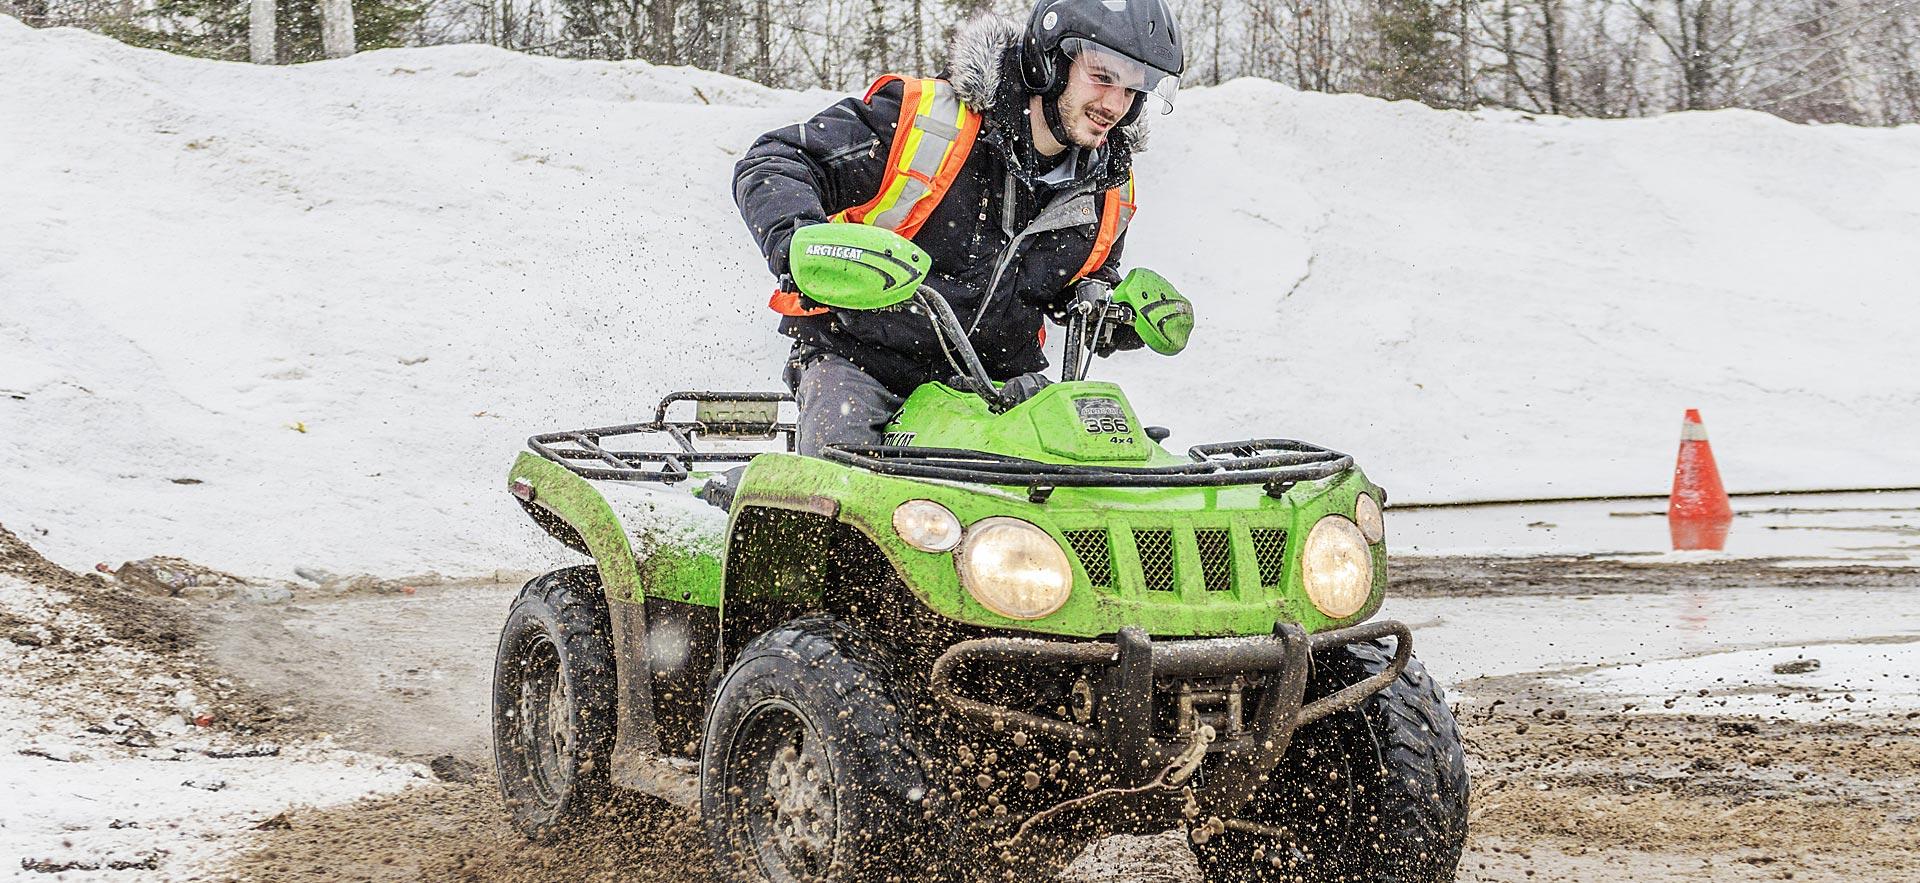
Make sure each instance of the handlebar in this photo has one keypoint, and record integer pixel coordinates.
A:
(953, 339)
(1097, 309)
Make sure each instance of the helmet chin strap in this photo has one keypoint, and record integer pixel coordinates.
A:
(1050, 101)
(1050, 108)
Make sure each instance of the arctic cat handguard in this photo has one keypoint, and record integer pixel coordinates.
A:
(854, 266)
(1162, 316)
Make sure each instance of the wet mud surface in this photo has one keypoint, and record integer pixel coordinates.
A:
(458, 831)
(1428, 577)
(1575, 798)
(1566, 788)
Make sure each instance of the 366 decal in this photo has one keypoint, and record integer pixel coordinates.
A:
(1102, 416)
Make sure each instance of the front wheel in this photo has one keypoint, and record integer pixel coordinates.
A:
(553, 705)
(806, 772)
(1377, 793)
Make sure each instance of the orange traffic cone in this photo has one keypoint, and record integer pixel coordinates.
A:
(1698, 513)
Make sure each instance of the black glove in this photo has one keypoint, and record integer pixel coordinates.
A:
(1122, 338)
(1116, 336)
(1024, 387)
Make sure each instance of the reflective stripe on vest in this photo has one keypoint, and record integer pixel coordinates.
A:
(1116, 212)
(930, 145)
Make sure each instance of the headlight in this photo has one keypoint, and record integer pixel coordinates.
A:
(1366, 513)
(1014, 569)
(926, 525)
(1337, 567)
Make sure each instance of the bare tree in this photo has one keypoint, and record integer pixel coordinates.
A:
(1854, 61)
(336, 28)
(260, 31)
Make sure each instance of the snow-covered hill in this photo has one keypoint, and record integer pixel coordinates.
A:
(339, 295)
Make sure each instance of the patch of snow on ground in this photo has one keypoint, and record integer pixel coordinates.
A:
(279, 317)
(106, 773)
(1851, 682)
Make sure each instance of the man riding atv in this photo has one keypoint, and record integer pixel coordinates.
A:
(1019, 623)
(1013, 173)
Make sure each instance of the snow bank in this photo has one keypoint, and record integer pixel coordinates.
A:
(339, 295)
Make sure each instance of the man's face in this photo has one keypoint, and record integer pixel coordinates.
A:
(1095, 99)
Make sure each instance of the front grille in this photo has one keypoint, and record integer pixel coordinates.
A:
(1156, 558)
(1090, 546)
(1167, 562)
(1216, 559)
(1270, 550)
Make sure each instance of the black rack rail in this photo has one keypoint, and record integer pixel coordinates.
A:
(1276, 463)
(583, 451)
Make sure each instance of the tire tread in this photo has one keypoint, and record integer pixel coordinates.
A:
(571, 603)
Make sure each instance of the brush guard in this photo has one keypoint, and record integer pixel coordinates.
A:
(1123, 734)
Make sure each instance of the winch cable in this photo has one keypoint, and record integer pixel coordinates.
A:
(1175, 775)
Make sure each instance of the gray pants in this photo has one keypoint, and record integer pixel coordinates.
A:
(839, 403)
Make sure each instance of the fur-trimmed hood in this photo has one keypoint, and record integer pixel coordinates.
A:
(984, 68)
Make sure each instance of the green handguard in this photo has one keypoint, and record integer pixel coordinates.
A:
(1162, 316)
(854, 266)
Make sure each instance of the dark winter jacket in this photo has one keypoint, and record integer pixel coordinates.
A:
(803, 174)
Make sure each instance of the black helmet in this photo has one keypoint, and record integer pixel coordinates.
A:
(1142, 31)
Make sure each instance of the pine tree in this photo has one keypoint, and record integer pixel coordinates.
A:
(1412, 55)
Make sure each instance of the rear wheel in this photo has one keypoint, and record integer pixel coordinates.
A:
(806, 772)
(1376, 794)
(553, 705)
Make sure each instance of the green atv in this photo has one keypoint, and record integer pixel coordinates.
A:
(965, 653)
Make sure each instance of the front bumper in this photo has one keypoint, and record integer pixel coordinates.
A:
(1122, 733)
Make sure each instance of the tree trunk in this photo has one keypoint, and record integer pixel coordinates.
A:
(874, 46)
(260, 24)
(1469, 97)
(336, 28)
(662, 16)
(763, 40)
(33, 13)
(1510, 51)
(1550, 26)
(919, 41)
(1219, 36)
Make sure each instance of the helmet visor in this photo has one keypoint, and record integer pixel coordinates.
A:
(1098, 66)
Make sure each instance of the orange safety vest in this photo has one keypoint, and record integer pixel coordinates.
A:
(930, 145)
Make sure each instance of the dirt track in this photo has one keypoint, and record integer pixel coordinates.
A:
(1585, 798)
(1563, 790)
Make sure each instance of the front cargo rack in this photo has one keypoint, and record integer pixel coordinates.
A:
(1276, 463)
(721, 415)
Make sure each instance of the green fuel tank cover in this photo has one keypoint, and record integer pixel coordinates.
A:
(1087, 422)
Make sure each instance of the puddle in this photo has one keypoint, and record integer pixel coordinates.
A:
(1471, 637)
(1806, 682)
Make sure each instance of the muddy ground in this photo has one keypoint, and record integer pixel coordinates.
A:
(1592, 798)
(1564, 788)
